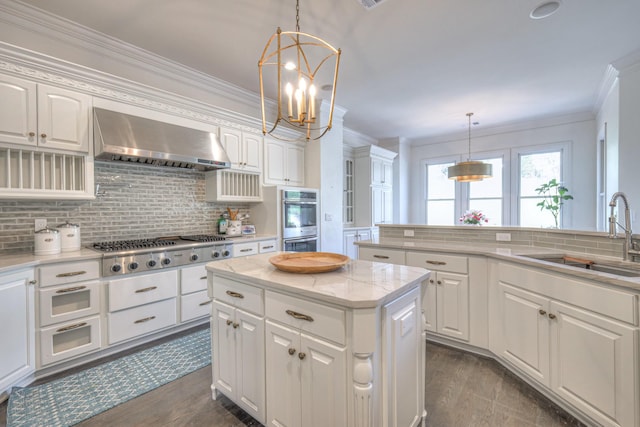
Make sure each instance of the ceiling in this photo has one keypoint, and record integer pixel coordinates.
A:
(409, 68)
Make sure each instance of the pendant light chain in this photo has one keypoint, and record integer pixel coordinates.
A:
(469, 116)
(298, 16)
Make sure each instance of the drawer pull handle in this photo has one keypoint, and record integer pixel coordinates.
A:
(435, 262)
(381, 256)
(203, 278)
(267, 247)
(542, 312)
(292, 351)
(150, 288)
(552, 316)
(146, 319)
(75, 288)
(71, 273)
(235, 294)
(299, 316)
(70, 327)
(301, 356)
(246, 250)
(205, 303)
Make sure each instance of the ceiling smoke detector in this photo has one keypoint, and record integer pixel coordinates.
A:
(545, 9)
(370, 4)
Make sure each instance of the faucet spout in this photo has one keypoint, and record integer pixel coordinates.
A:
(627, 222)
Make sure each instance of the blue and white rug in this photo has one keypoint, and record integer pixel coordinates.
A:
(70, 400)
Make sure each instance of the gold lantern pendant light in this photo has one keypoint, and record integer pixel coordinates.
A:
(470, 170)
(295, 60)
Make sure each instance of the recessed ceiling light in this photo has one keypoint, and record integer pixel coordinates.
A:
(545, 9)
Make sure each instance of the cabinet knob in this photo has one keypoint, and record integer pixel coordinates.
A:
(235, 325)
(229, 322)
(439, 282)
(43, 135)
(33, 282)
(32, 134)
(542, 312)
(292, 351)
(431, 281)
(301, 356)
(552, 316)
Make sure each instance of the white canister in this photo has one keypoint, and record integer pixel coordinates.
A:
(69, 237)
(234, 228)
(47, 241)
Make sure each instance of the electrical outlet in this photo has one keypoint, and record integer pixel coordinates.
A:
(409, 233)
(328, 217)
(40, 224)
(503, 237)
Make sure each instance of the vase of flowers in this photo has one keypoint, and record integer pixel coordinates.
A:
(474, 217)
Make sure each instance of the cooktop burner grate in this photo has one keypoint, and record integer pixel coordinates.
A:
(203, 238)
(123, 245)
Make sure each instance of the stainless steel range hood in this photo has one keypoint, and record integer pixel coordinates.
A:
(122, 137)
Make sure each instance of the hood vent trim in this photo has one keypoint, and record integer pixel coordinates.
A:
(132, 139)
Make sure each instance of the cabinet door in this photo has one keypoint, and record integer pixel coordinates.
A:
(524, 340)
(249, 342)
(387, 174)
(376, 172)
(283, 376)
(430, 304)
(18, 111)
(274, 162)
(323, 383)
(251, 152)
(453, 305)
(231, 140)
(377, 205)
(593, 364)
(295, 165)
(387, 206)
(63, 119)
(224, 356)
(17, 335)
(350, 249)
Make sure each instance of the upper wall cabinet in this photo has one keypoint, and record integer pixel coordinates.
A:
(373, 186)
(283, 163)
(43, 116)
(244, 149)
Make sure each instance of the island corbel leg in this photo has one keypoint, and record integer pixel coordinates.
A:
(363, 389)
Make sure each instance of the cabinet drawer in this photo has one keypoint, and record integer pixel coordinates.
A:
(69, 272)
(141, 320)
(390, 256)
(193, 279)
(318, 319)
(68, 302)
(438, 262)
(138, 290)
(69, 339)
(246, 297)
(267, 246)
(194, 305)
(244, 249)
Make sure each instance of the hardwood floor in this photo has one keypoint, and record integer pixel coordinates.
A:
(462, 390)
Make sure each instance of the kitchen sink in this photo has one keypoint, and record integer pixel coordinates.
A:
(592, 265)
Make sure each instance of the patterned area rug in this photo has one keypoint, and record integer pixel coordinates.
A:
(69, 400)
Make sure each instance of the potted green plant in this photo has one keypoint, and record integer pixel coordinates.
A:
(554, 195)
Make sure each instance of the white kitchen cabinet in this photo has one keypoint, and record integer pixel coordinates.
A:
(17, 335)
(373, 185)
(351, 236)
(283, 163)
(245, 249)
(447, 309)
(194, 301)
(244, 149)
(348, 188)
(43, 116)
(270, 245)
(392, 256)
(238, 346)
(576, 339)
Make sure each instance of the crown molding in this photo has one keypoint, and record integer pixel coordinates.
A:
(627, 62)
(354, 139)
(606, 86)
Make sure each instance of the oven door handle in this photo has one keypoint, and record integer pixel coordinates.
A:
(292, 202)
(303, 240)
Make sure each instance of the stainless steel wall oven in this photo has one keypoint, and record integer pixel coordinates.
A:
(300, 220)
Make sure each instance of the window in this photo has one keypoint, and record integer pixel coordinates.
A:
(537, 169)
(486, 195)
(441, 195)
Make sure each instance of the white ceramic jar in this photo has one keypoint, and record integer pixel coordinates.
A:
(69, 237)
(47, 241)
(234, 228)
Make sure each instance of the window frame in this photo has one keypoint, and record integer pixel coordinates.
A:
(425, 191)
(466, 189)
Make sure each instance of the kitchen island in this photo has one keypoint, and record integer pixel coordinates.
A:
(339, 348)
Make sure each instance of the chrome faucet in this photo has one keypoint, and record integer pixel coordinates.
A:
(629, 245)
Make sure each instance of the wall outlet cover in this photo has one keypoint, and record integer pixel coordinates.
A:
(40, 224)
(409, 233)
(503, 237)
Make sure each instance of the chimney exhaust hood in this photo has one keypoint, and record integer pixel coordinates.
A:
(126, 138)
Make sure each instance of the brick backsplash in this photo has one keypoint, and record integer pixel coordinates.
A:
(140, 201)
(592, 243)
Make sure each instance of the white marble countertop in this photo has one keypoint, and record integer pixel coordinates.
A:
(520, 254)
(359, 284)
(28, 260)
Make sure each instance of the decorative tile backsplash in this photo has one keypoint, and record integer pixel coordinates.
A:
(568, 240)
(138, 202)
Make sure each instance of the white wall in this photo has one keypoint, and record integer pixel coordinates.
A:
(579, 131)
(629, 145)
(608, 127)
(401, 178)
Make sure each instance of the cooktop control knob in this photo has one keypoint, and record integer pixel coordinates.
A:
(133, 265)
(226, 253)
(151, 263)
(166, 261)
(116, 268)
(194, 257)
(215, 254)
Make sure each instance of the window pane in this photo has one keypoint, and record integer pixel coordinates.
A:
(438, 185)
(490, 187)
(440, 212)
(492, 208)
(537, 169)
(531, 216)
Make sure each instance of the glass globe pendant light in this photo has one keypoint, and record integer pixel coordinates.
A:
(470, 170)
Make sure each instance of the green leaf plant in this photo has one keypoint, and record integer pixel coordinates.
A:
(554, 195)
